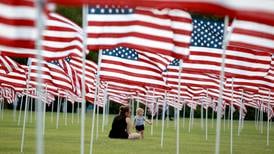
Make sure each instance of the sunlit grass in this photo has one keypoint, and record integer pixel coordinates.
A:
(66, 139)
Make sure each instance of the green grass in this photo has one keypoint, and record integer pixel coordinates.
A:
(66, 140)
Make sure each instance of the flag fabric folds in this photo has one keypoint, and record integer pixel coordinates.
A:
(125, 65)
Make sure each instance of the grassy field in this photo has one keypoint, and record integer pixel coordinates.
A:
(65, 139)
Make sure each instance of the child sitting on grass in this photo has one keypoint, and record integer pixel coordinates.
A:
(139, 121)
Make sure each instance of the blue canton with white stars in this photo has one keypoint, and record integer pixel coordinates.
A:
(55, 62)
(121, 52)
(207, 33)
(109, 10)
(175, 62)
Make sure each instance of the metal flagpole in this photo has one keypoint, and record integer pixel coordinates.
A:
(72, 113)
(66, 110)
(52, 106)
(190, 119)
(83, 91)
(206, 122)
(178, 111)
(104, 109)
(44, 112)
(240, 116)
(202, 115)
(220, 101)
(39, 120)
(255, 119)
(58, 111)
(231, 117)
(228, 116)
(24, 125)
(151, 128)
(78, 112)
(206, 128)
(20, 111)
(268, 119)
(97, 119)
(14, 108)
(224, 117)
(157, 113)
(95, 101)
(44, 117)
(184, 115)
(261, 118)
(107, 110)
(167, 114)
(163, 120)
(212, 117)
(31, 106)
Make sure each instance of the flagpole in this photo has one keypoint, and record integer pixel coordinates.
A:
(83, 105)
(157, 112)
(52, 106)
(190, 117)
(268, 119)
(151, 128)
(40, 4)
(24, 125)
(95, 101)
(184, 115)
(58, 111)
(104, 109)
(163, 120)
(31, 107)
(231, 117)
(261, 118)
(178, 111)
(240, 116)
(206, 114)
(14, 108)
(218, 124)
(66, 110)
(19, 116)
(97, 119)
(72, 113)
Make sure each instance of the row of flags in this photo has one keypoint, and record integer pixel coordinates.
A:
(139, 46)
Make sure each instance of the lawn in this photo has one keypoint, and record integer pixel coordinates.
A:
(65, 139)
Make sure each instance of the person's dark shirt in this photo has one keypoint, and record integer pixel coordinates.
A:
(119, 128)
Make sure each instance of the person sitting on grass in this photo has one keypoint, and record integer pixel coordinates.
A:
(139, 122)
(122, 125)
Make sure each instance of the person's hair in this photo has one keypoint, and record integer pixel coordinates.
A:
(139, 110)
(123, 110)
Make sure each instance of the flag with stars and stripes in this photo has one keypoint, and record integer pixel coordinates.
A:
(206, 53)
(125, 65)
(72, 74)
(150, 30)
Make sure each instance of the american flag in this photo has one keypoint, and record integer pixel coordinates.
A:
(252, 35)
(125, 65)
(254, 10)
(61, 38)
(90, 74)
(45, 76)
(17, 24)
(59, 77)
(10, 65)
(15, 79)
(206, 53)
(72, 74)
(150, 30)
